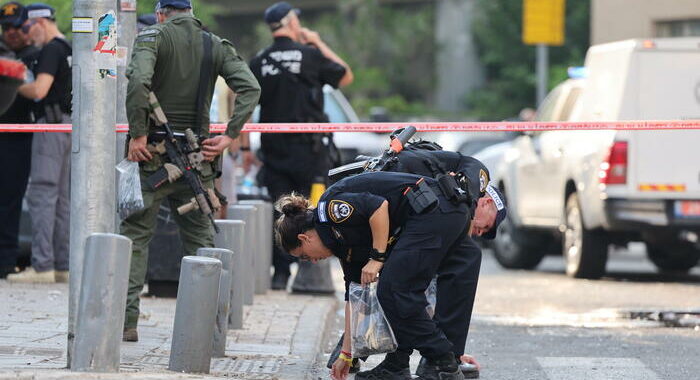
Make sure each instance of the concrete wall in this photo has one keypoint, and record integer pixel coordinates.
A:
(613, 20)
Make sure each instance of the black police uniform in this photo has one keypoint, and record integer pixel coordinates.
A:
(292, 76)
(16, 158)
(464, 274)
(428, 243)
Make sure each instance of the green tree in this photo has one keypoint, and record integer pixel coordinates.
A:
(391, 50)
(510, 65)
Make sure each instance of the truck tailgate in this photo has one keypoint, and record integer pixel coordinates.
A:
(666, 162)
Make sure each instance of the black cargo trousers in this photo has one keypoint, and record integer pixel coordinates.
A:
(434, 243)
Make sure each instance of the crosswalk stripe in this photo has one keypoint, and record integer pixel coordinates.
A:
(577, 368)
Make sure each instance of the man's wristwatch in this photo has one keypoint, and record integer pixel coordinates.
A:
(377, 256)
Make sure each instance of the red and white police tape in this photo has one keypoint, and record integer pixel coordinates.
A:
(500, 126)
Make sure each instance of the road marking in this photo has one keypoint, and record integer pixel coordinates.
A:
(576, 368)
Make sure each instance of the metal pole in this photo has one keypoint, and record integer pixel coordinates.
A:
(266, 215)
(125, 41)
(542, 72)
(222, 310)
(250, 248)
(195, 315)
(94, 27)
(102, 298)
(231, 236)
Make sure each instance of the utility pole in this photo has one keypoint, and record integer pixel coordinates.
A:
(125, 43)
(94, 27)
(542, 71)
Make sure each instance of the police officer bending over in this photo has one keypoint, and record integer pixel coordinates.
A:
(354, 221)
(172, 59)
(292, 73)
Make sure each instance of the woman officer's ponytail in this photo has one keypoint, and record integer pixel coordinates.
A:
(297, 217)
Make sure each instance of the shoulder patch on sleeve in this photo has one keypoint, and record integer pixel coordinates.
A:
(483, 180)
(146, 39)
(322, 212)
(148, 32)
(339, 211)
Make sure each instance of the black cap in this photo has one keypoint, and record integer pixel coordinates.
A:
(41, 10)
(13, 13)
(277, 11)
(500, 201)
(147, 19)
(179, 4)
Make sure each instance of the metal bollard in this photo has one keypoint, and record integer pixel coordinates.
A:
(230, 236)
(222, 310)
(98, 331)
(250, 246)
(195, 315)
(262, 284)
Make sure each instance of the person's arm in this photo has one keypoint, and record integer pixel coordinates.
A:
(239, 79)
(341, 368)
(315, 39)
(379, 225)
(38, 89)
(140, 73)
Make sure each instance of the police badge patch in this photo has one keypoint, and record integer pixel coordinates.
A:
(339, 211)
(483, 180)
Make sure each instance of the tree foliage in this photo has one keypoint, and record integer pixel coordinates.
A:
(390, 49)
(510, 65)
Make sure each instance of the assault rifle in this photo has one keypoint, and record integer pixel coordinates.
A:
(399, 138)
(185, 156)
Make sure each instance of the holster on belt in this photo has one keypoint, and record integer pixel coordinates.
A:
(455, 188)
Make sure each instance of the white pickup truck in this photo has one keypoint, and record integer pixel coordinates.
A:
(577, 192)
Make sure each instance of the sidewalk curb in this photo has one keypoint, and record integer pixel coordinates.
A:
(309, 337)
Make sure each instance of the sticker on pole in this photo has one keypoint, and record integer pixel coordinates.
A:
(82, 25)
(127, 5)
(107, 34)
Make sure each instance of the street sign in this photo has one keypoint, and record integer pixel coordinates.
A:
(543, 22)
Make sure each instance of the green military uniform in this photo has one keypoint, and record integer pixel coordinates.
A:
(167, 60)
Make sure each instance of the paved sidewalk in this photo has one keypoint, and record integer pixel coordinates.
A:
(273, 344)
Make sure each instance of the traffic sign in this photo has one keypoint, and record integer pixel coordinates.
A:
(543, 22)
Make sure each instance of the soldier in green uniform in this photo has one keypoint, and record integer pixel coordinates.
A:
(171, 59)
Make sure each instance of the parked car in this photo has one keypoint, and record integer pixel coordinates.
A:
(587, 189)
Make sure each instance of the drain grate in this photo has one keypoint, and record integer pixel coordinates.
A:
(686, 319)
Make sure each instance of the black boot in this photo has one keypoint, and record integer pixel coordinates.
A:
(468, 370)
(393, 367)
(444, 367)
(279, 281)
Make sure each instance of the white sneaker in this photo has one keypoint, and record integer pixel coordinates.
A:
(30, 276)
(61, 276)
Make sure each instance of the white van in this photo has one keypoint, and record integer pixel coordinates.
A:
(586, 190)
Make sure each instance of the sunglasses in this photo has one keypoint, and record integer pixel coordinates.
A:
(28, 25)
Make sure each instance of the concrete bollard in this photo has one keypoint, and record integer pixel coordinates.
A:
(195, 315)
(230, 236)
(98, 330)
(266, 214)
(313, 278)
(222, 310)
(251, 248)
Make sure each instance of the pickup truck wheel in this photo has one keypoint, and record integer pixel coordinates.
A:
(673, 257)
(585, 251)
(517, 249)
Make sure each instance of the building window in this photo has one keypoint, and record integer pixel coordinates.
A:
(678, 28)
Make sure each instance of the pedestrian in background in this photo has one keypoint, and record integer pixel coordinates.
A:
(292, 73)
(171, 59)
(48, 195)
(15, 148)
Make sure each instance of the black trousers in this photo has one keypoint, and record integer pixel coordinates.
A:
(15, 162)
(429, 244)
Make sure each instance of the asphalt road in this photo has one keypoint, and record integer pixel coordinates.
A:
(543, 325)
